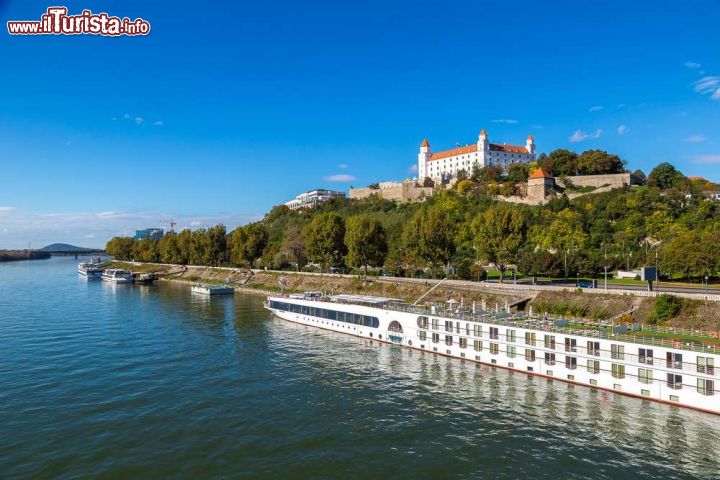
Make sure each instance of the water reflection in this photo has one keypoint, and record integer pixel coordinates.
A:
(622, 431)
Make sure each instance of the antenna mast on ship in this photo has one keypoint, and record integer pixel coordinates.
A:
(426, 293)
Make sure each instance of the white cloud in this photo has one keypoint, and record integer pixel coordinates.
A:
(340, 177)
(139, 120)
(413, 168)
(708, 159)
(195, 223)
(692, 65)
(579, 135)
(695, 138)
(158, 123)
(622, 129)
(343, 166)
(127, 116)
(538, 127)
(621, 105)
(89, 235)
(596, 108)
(509, 121)
(708, 86)
(6, 209)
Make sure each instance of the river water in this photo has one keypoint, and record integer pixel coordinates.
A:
(123, 381)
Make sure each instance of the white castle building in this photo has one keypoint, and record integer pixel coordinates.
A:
(482, 154)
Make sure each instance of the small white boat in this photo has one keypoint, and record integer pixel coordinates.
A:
(117, 275)
(213, 289)
(89, 269)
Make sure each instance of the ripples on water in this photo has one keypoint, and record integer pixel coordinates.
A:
(122, 381)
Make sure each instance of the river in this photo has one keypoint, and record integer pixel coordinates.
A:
(124, 381)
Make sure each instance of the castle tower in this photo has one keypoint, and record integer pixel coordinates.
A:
(530, 144)
(424, 158)
(483, 148)
(539, 185)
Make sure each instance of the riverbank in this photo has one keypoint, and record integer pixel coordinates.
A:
(691, 314)
(18, 255)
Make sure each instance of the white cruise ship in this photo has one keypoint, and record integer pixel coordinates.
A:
(670, 371)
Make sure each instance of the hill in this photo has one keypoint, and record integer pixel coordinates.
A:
(66, 248)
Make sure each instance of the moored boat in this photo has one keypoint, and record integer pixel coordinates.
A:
(90, 269)
(117, 275)
(213, 289)
(592, 354)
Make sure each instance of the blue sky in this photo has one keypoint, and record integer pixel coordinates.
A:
(228, 108)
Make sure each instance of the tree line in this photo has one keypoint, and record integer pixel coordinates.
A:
(459, 232)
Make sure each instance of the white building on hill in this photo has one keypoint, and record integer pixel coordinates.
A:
(312, 198)
(482, 154)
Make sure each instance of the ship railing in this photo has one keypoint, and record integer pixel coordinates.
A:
(548, 325)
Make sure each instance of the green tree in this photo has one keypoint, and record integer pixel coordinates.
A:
(294, 245)
(499, 234)
(664, 176)
(564, 234)
(560, 162)
(169, 249)
(518, 172)
(216, 252)
(184, 244)
(324, 236)
(365, 241)
(247, 243)
(599, 162)
(146, 250)
(437, 236)
(120, 248)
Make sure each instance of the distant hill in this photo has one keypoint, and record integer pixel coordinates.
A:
(65, 248)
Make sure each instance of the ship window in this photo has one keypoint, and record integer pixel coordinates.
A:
(570, 345)
(645, 355)
(435, 337)
(705, 387)
(706, 365)
(448, 340)
(645, 375)
(593, 366)
(494, 348)
(511, 351)
(463, 342)
(674, 360)
(570, 363)
(617, 352)
(422, 322)
(674, 381)
(593, 348)
(422, 335)
(477, 345)
(618, 371)
(549, 358)
(510, 335)
(494, 333)
(529, 355)
(550, 342)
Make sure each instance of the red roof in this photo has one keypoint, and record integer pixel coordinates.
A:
(483, 132)
(425, 143)
(508, 148)
(539, 173)
(453, 152)
(530, 137)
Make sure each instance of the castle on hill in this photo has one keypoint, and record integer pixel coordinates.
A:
(448, 163)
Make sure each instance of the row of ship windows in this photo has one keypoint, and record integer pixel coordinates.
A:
(644, 375)
(328, 314)
(617, 351)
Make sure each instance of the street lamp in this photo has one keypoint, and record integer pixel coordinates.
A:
(577, 279)
(706, 283)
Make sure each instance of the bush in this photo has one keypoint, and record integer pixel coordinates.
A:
(664, 308)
